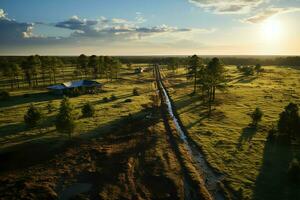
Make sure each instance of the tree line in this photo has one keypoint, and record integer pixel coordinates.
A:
(35, 70)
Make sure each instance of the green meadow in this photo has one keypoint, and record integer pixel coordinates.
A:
(253, 168)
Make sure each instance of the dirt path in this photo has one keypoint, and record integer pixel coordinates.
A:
(212, 178)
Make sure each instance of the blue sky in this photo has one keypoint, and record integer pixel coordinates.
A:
(140, 27)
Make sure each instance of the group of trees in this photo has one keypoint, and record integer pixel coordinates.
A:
(65, 119)
(208, 77)
(38, 70)
(250, 70)
(31, 69)
(97, 67)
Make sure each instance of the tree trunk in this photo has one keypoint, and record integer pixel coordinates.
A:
(195, 82)
(214, 93)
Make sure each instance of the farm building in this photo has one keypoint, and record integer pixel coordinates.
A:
(76, 87)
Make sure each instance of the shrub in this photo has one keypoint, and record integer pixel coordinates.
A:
(128, 100)
(256, 116)
(88, 110)
(4, 95)
(294, 170)
(32, 116)
(50, 107)
(135, 92)
(113, 97)
(105, 99)
(289, 120)
(65, 120)
(257, 68)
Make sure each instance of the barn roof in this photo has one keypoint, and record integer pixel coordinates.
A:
(74, 84)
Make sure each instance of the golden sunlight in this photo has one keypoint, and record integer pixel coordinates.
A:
(272, 30)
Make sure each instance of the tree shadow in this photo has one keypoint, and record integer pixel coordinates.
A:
(33, 150)
(29, 98)
(246, 79)
(272, 181)
(247, 135)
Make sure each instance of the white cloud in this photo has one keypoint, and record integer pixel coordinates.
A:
(2, 14)
(268, 13)
(228, 6)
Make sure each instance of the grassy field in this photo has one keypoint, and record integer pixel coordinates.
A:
(13, 130)
(254, 168)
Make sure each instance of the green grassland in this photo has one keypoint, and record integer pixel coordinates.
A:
(254, 168)
(13, 130)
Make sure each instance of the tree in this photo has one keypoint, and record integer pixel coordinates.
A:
(94, 65)
(65, 120)
(31, 69)
(17, 72)
(82, 63)
(289, 121)
(32, 116)
(88, 110)
(216, 74)
(45, 65)
(294, 170)
(194, 64)
(256, 116)
(257, 68)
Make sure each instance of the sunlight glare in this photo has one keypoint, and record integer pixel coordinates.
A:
(271, 30)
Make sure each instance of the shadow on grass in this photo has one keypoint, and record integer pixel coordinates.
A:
(30, 98)
(272, 181)
(41, 149)
(246, 79)
(247, 135)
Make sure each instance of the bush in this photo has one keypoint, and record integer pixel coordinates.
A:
(256, 116)
(105, 99)
(32, 116)
(289, 121)
(294, 170)
(246, 70)
(65, 120)
(135, 92)
(50, 107)
(113, 97)
(88, 110)
(258, 68)
(4, 95)
(128, 100)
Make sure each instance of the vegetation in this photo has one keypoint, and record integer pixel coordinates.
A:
(256, 116)
(4, 95)
(88, 110)
(33, 116)
(294, 171)
(289, 121)
(65, 120)
(135, 92)
(251, 158)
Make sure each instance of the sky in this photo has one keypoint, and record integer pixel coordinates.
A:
(156, 27)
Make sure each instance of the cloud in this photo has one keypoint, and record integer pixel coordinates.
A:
(228, 6)
(2, 14)
(83, 33)
(268, 13)
(116, 28)
(12, 30)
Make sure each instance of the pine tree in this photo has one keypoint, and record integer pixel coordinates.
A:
(88, 110)
(32, 116)
(65, 120)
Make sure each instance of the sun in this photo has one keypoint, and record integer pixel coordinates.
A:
(271, 30)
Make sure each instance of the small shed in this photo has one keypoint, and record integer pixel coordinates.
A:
(80, 87)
